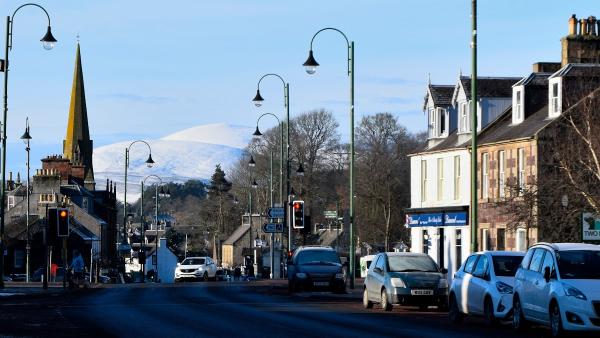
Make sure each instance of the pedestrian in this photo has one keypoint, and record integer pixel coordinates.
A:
(77, 266)
(53, 271)
(237, 273)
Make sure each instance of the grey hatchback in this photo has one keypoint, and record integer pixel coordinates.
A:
(405, 279)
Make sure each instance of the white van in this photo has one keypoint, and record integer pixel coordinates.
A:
(365, 262)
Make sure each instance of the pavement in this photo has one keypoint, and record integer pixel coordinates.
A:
(214, 309)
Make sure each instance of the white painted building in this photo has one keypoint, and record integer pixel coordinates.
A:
(440, 172)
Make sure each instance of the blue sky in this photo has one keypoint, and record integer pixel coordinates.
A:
(155, 67)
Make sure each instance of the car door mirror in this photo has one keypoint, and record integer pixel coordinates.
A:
(547, 274)
(178, 264)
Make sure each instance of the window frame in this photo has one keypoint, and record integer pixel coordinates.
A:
(423, 180)
(457, 177)
(501, 173)
(519, 104)
(485, 173)
(521, 169)
(442, 120)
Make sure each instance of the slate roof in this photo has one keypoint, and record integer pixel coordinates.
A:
(503, 129)
(578, 70)
(534, 79)
(490, 86)
(237, 234)
(440, 94)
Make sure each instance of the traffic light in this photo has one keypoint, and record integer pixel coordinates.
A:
(298, 214)
(62, 222)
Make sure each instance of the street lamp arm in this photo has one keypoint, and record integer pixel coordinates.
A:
(12, 18)
(152, 176)
(349, 57)
(282, 81)
(142, 141)
(271, 114)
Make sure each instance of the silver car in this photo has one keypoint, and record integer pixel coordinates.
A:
(406, 279)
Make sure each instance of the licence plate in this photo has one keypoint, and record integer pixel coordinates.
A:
(321, 283)
(421, 292)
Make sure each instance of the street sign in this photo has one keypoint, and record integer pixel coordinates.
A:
(276, 213)
(272, 227)
(330, 214)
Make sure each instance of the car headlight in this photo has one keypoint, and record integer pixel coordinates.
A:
(574, 292)
(504, 288)
(200, 269)
(397, 283)
(443, 283)
(300, 275)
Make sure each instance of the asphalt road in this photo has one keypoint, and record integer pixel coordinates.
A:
(224, 310)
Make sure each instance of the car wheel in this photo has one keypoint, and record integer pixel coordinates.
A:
(367, 304)
(556, 321)
(385, 303)
(205, 277)
(454, 313)
(488, 310)
(519, 321)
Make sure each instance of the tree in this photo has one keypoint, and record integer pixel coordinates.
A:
(519, 207)
(383, 179)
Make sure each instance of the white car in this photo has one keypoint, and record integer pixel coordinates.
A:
(558, 285)
(484, 285)
(196, 268)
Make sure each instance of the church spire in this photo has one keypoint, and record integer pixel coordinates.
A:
(77, 146)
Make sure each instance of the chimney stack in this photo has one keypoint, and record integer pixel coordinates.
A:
(573, 25)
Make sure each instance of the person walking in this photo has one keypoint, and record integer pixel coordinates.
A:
(77, 266)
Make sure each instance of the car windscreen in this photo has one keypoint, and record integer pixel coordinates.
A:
(317, 257)
(506, 266)
(193, 261)
(411, 264)
(578, 264)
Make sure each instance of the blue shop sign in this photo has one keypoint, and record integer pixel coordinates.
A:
(455, 218)
(458, 218)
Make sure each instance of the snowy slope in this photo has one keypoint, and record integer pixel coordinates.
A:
(187, 154)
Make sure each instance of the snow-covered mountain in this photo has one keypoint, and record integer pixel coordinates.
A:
(190, 153)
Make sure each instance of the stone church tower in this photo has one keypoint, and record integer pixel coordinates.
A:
(77, 146)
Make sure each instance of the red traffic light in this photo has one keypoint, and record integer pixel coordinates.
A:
(297, 205)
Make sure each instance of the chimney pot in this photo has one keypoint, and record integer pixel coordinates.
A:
(573, 25)
(583, 29)
(592, 25)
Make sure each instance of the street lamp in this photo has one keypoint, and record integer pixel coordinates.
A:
(26, 139)
(258, 101)
(300, 170)
(251, 163)
(257, 133)
(254, 184)
(48, 42)
(163, 193)
(149, 164)
(311, 67)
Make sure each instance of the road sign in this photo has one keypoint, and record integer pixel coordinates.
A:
(272, 227)
(276, 213)
(330, 214)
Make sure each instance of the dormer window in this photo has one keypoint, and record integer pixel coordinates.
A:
(442, 122)
(432, 118)
(518, 104)
(555, 98)
(463, 113)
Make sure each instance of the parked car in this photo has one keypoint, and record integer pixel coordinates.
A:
(406, 279)
(18, 277)
(316, 267)
(196, 268)
(484, 286)
(558, 285)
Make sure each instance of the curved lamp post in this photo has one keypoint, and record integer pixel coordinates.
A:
(258, 100)
(26, 139)
(257, 133)
(48, 42)
(149, 163)
(311, 67)
(162, 193)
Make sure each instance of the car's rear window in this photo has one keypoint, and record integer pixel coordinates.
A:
(578, 264)
(317, 256)
(411, 264)
(193, 261)
(506, 266)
